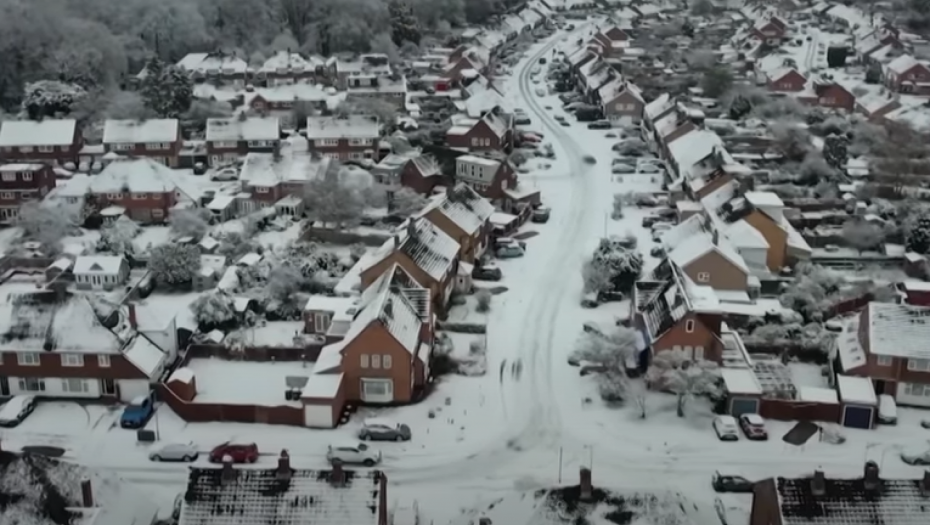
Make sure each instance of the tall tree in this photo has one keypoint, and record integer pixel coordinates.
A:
(167, 90)
(404, 25)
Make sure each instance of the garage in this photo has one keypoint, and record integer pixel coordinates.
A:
(859, 401)
(858, 416)
(743, 391)
(743, 405)
(324, 399)
(319, 416)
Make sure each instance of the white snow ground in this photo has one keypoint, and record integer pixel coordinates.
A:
(524, 425)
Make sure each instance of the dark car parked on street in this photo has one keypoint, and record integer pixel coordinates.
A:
(738, 484)
(487, 273)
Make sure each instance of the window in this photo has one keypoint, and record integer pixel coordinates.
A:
(321, 322)
(140, 196)
(376, 361)
(46, 149)
(103, 361)
(827, 100)
(25, 149)
(703, 277)
(360, 142)
(260, 143)
(261, 189)
(121, 146)
(326, 142)
(698, 353)
(157, 213)
(27, 175)
(689, 325)
(475, 141)
(114, 196)
(9, 176)
(364, 360)
(356, 155)
(373, 387)
(27, 359)
(74, 385)
(7, 196)
(885, 360)
(917, 389)
(918, 365)
(386, 361)
(72, 360)
(32, 384)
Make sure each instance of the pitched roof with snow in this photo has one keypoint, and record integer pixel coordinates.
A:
(149, 131)
(898, 330)
(468, 210)
(235, 129)
(349, 127)
(101, 264)
(256, 496)
(284, 61)
(430, 248)
(658, 106)
(294, 163)
(213, 62)
(48, 132)
(146, 356)
(134, 176)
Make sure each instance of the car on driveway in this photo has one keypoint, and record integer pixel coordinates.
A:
(919, 457)
(487, 272)
(589, 159)
(238, 452)
(16, 410)
(353, 454)
(507, 248)
(730, 483)
(753, 426)
(137, 412)
(225, 174)
(186, 452)
(377, 429)
(541, 215)
(726, 428)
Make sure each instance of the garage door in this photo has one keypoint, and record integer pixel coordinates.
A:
(857, 417)
(740, 406)
(318, 416)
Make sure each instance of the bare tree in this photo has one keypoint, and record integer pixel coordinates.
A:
(340, 196)
(863, 235)
(614, 350)
(686, 378)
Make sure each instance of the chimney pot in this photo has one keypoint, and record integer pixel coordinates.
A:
(87, 494)
(229, 473)
(870, 478)
(925, 484)
(284, 465)
(587, 491)
(818, 484)
(337, 476)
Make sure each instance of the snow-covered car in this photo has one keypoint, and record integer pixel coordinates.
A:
(540, 92)
(487, 272)
(600, 124)
(16, 410)
(620, 169)
(918, 457)
(522, 120)
(726, 428)
(377, 429)
(535, 71)
(753, 426)
(506, 248)
(353, 454)
(186, 452)
(225, 174)
(589, 159)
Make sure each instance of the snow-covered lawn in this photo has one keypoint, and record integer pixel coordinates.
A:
(150, 237)
(222, 381)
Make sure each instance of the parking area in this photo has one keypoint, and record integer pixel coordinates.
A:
(63, 424)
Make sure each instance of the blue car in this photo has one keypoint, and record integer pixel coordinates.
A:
(138, 412)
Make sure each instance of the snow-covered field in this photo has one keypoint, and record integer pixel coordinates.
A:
(532, 421)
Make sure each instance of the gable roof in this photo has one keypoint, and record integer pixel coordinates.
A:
(703, 243)
(428, 247)
(658, 106)
(149, 131)
(468, 210)
(348, 127)
(257, 496)
(898, 330)
(128, 175)
(235, 129)
(103, 264)
(48, 132)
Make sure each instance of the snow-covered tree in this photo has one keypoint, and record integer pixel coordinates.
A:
(126, 105)
(45, 224)
(836, 151)
(50, 98)
(614, 350)
(166, 89)
(339, 197)
(810, 291)
(815, 169)
(863, 235)
(483, 300)
(189, 222)
(740, 106)
(213, 309)
(918, 235)
(406, 202)
(200, 111)
(116, 237)
(385, 111)
(873, 75)
(702, 8)
(404, 25)
(793, 140)
(618, 265)
(357, 251)
(717, 81)
(674, 372)
(174, 264)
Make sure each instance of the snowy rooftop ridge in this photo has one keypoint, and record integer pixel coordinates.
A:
(151, 131)
(349, 127)
(431, 249)
(130, 175)
(468, 210)
(294, 163)
(48, 132)
(248, 129)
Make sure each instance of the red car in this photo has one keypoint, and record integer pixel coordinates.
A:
(753, 426)
(239, 452)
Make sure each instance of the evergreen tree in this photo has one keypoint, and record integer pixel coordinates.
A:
(836, 151)
(404, 25)
(167, 90)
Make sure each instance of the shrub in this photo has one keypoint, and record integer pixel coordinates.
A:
(483, 297)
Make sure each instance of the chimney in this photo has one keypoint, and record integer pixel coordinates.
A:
(337, 476)
(818, 484)
(411, 228)
(396, 241)
(925, 484)
(229, 473)
(87, 494)
(284, 465)
(716, 237)
(870, 479)
(132, 316)
(585, 485)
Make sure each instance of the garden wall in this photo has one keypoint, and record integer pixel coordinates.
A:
(343, 237)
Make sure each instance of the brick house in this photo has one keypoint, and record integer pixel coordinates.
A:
(365, 71)
(283, 102)
(492, 132)
(770, 29)
(708, 259)
(58, 345)
(285, 67)
(907, 74)
(490, 178)
(425, 252)
(621, 100)
(353, 137)
(422, 174)
(886, 343)
(229, 139)
(463, 215)
(268, 179)
(829, 94)
(157, 139)
(786, 80)
(217, 67)
(21, 183)
(144, 189)
(50, 140)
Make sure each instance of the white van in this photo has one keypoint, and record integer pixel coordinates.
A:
(887, 410)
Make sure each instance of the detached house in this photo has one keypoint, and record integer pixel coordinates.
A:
(706, 257)
(353, 137)
(141, 188)
(490, 178)
(285, 67)
(217, 67)
(464, 216)
(229, 139)
(20, 183)
(50, 140)
(907, 74)
(770, 29)
(100, 272)
(621, 101)
(492, 132)
(786, 80)
(157, 139)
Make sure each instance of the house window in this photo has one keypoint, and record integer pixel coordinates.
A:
(326, 142)
(103, 361)
(157, 213)
(703, 277)
(114, 196)
(259, 143)
(9, 176)
(827, 100)
(377, 390)
(321, 322)
(698, 353)
(27, 359)
(74, 385)
(223, 144)
(364, 361)
(689, 325)
(387, 361)
(918, 365)
(27, 175)
(356, 155)
(885, 360)
(121, 146)
(917, 389)
(72, 360)
(376, 361)
(7, 196)
(46, 149)
(25, 149)
(140, 196)
(261, 189)
(360, 142)
(32, 384)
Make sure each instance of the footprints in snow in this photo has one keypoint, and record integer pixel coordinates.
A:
(516, 369)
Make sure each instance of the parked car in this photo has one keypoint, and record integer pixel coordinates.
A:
(540, 92)
(588, 159)
(175, 452)
(729, 483)
(542, 60)
(657, 251)
(753, 426)
(239, 452)
(353, 454)
(589, 300)
(508, 241)
(16, 410)
(383, 430)
(200, 168)
(138, 411)
(600, 124)
(506, 248)
(726, 428)
(541, 215)
(916, 457)
(225, 174)
(522, 119)
(887, 410)
(487, 272)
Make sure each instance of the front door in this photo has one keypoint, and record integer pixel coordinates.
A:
(109, 387)
(4, 386)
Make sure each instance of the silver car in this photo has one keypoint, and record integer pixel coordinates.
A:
(383, 430)
(186, 452)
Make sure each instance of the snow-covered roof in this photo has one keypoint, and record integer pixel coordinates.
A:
(48, 132)
(151, 131)
(349, 127)
(243, 129)
(182, 375)
(300, 92)
(284, 61)
(658, 106)
(741, 381)
(294, 163)
(465, 208)
(129, 175)
(101, 264)
(856, 390)
(898, 330)
(696, 246)
(213, 62)
(764, 199)
(144, 355)
(430, 248)
(693, 147)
